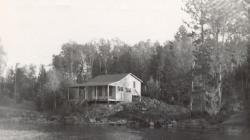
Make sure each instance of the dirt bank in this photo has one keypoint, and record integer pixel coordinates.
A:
(148, 112)
(145, 113)
(151, 111)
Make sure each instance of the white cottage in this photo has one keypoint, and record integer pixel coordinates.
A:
(109, 88)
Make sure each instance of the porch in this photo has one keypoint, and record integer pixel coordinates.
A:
(100, 93)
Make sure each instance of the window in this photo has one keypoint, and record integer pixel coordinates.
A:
(120, 88)
(128, 89)
(110, 91)
(99, 91)
(106, 93)
(134, 84)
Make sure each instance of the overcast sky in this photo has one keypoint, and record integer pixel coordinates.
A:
(31, 31)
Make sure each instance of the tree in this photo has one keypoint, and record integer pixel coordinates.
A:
(104, 51)
(247, 3)
(202, 71)
(184, 49)
(76, 61)
(2, 65)
(2, 59)
(53, 84)
(41, 88)
(9, 83)
(24, 79)
(153, 88)
(216, 24)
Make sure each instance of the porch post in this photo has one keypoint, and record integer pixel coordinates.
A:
(85, 93)
(115, 93)
(95, 94)
(78, 92)
(68, 93)
(108, 93)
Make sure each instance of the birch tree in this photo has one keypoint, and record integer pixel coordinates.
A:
(53, 84)
(2, 59)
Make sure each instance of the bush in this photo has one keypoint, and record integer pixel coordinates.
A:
(153, 89)
(65, 109)
(5, 100)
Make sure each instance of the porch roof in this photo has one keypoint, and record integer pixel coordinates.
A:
(102, 80)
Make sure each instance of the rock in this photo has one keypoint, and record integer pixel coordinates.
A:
(158, 124)
(70, 119)
(144, 109)
(118, 122)
(123, 122)
(92, 120)
(104, 120)
(195, 123)
(170, 125)
(151, 124)
(174, 123)
(16, 119)
(54, 118)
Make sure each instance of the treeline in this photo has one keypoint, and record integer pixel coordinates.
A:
(208, 57)
(165, 69)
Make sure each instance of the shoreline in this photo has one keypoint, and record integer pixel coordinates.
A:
(42, 119)
(147, 113)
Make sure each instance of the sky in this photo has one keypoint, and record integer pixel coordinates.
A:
(31, 31)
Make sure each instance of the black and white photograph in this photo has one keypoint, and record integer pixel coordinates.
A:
(124, 69)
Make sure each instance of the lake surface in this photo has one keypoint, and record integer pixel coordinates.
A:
(15, 131)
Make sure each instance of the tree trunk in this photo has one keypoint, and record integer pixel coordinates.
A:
(108, 94)
(92, 65)
(100, 66)
(105, 65)
(246, 87)
(202, 34)
(191, 96)
(202, 23)
(15, 85)
(1, 87)
(219, 86)
(55, 101)
(192, 88)
(71, 69)
(203, 93)
(242, 80)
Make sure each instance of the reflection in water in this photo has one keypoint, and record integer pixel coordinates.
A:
(234, 130)
(59, 132)
(122, 136)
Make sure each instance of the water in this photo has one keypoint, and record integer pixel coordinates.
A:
(90, 132)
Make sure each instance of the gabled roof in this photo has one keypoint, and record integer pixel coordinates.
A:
(105, 79)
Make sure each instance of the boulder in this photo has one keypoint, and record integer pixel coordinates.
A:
(92, 120)
(70, 119)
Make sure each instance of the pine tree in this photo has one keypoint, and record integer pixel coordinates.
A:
(202, 70)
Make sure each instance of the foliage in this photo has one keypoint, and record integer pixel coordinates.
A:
(215, 39)
(2, 59)
(153, 89)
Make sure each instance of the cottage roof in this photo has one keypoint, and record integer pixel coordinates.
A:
(105, 80)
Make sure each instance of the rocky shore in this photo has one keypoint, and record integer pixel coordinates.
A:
(147, 113)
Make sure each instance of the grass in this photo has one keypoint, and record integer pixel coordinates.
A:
(11, 104)
(22, 135)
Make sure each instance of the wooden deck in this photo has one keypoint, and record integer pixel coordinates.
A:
(93, 100)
